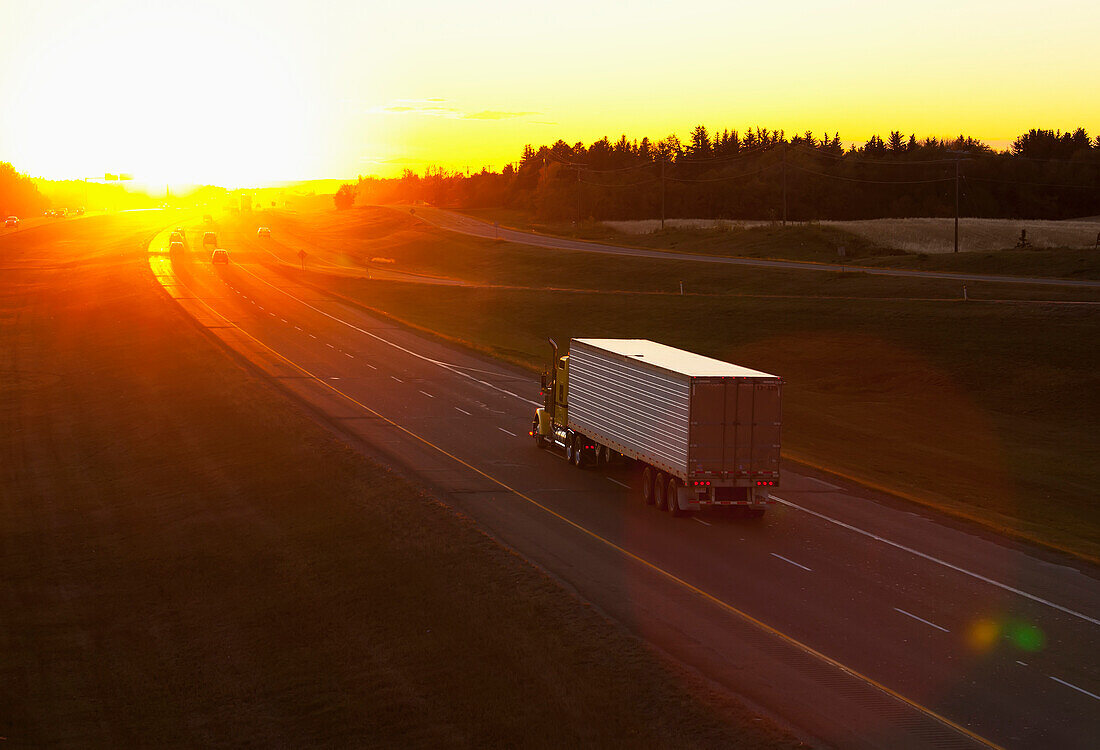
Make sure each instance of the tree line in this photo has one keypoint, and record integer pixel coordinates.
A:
(765, 174)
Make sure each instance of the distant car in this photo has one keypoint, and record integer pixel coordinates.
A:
(79, 212)
(209, 238)
(175, 247)
(180, 232)
(60, 212)
(263, 232)
(11, 221)
(207, 219)
(175, 237)
(220, 256)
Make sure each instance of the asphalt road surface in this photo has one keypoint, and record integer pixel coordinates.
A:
(456, 222)
(858, 621)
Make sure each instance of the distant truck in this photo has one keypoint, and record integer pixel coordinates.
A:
(703, 432)
(209, 239)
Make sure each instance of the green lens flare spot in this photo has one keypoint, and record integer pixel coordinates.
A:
(1026, 637)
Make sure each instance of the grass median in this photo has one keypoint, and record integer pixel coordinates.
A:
(985, 408)
(191, 560)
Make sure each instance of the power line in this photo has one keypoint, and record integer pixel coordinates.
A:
(872, 182)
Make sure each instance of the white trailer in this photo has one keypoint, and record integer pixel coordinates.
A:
(705, 432)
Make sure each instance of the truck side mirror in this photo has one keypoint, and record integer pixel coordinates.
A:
(542, 381)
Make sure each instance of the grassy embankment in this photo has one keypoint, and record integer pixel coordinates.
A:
(819, 243)
(189, 560)
(985, 409)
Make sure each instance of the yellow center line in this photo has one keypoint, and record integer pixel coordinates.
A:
(622, 550)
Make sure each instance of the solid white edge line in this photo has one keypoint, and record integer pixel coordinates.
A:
(616, 481)
(944, 563)
(699, 520)
(508, 431)
(1071, 685)
(921, 619)
(792, 562)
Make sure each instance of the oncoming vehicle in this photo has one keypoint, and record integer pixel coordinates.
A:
(209, 239)
(220, 256)
(11, 221)
(263, 232)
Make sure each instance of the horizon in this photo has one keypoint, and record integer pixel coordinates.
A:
(257, 94)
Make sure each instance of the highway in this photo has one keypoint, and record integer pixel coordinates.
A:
(860, 622)
(453, 221)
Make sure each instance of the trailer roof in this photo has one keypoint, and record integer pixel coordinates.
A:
(671, 358)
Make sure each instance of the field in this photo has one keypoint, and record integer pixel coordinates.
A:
(985, 408)
(918, 235)
(190, 560)
(1057, 248)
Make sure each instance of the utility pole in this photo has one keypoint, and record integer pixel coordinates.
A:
(956, 204)
(662, 158)
(784, 183)
(958, 174)
(578, 198)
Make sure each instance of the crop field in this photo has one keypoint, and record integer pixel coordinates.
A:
(1056, 248)
(986, 408)
(916, 235)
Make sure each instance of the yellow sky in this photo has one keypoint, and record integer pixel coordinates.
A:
(241, 93)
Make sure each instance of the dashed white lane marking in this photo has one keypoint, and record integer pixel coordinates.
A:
(1021, 663)
(312, 336)
(334, 378)
(330, 346)
(283, 319)
(616, 481)
(1094, 696)
(921, 619)
(427, 394)
(298, 328)
(463, 411)
(368, 364)
(944, 563)
(508, 431)
(700, 520)
(399, 380)
(347, 355)
(792, 562)
(456, 369)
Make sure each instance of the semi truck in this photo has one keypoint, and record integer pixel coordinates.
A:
(703, 432)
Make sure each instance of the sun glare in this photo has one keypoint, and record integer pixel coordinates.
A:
(165, 96)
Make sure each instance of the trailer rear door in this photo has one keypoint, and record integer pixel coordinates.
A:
(735, 425)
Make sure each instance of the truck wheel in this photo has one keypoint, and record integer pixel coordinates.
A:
(670, 498)
(570, 448)
(647, 485)
(660, 487)
(578, 451)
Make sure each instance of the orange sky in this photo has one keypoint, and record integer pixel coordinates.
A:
(242, 93)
